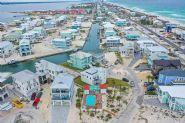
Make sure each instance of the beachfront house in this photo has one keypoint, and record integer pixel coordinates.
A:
(98, 57)
(26, 83)
(157, 56)
(143, 44)
(6, 49)
(173, 96)
(61, 20)
(31, 36)
(94, 76)
(25, 47)
(62, 89)
(156, 50)
(159, 65)
(110, 33)
(47, 71)
(170, 76)
(61, 42)
(19, 30)
(66, 34)
(76, 25)
(132, 35)
(80, 60)
(121, 22)
(3, 90)
(182, 35)
(113, 41)
(127, 50)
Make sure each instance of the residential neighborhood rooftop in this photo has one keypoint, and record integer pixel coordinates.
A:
(174, 91)
(173, 72)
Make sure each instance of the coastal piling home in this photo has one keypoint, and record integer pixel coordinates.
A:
(40, 32)
(127, 50)
(110, 33)
(132, 35)
(94, 76)
(80, 18)
(6, 49)
(121, 22)
(143, 44)
(47, 70)
(62, 89)
(173, 96)
(31, 36)
(76, 25)
(49, 22)
(171, 76)
(61, 42)
(157, 56)
(66, 34)
(113, 41)
(3, 90)
(156, 50)
(12, 37)
(25, 47)
(80, 60)
(26, 83)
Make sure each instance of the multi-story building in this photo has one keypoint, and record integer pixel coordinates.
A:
(26, 82)
(61, 43)
(25, 47)
(6, 49)
(62, 89)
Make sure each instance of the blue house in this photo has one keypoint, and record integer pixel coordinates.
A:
(25, 47)
(171, 76)
(157, 56)
(49, 23)
(61, 43)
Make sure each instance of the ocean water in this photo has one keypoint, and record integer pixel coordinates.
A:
(7, 17)
(173, 9)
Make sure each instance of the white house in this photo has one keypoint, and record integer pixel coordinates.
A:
(3, 90)
(6, 49)
(94, 75)
(31, 36)
(128, 49)
(62, 89)
(26, 82)
(113, 41)
(156, 49)
(143, 44)
(47, 70)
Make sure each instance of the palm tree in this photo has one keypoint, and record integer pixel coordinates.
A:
(78, 105)
(118, 98)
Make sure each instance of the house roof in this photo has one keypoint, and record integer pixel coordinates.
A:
(63, 80)
(174, 91)
(24, 75)
(166, 63)
(157, 49)
(113, 38)
(24, 42)
(81, 54)
(103, 86)
(86, 87)
(173, 72)
(5, 44)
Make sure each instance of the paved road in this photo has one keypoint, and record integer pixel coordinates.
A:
(127, 115)
(164, 39)
(137, 56)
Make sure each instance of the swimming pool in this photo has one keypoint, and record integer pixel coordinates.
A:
(90, 100)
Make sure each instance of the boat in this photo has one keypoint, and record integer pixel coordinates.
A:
(13, 61)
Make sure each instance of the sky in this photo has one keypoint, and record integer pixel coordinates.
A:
(29, 0)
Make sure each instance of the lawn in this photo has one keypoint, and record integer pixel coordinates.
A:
(67, 65)
(111, 82)
(79, 82)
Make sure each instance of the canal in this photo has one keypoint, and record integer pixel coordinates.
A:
(91, 45)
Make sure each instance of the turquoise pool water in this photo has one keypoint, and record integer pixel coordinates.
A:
(90, 100)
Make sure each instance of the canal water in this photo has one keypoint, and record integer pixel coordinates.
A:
(91, 45)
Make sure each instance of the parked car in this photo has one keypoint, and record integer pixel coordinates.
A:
(132, 84)
(17, 103)
(125, 79)
(33, 96)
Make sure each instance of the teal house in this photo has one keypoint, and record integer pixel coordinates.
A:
(121, 22)
(132, 35)
(173, 96)
(61, 42)
(76, 25)
(80, 60)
